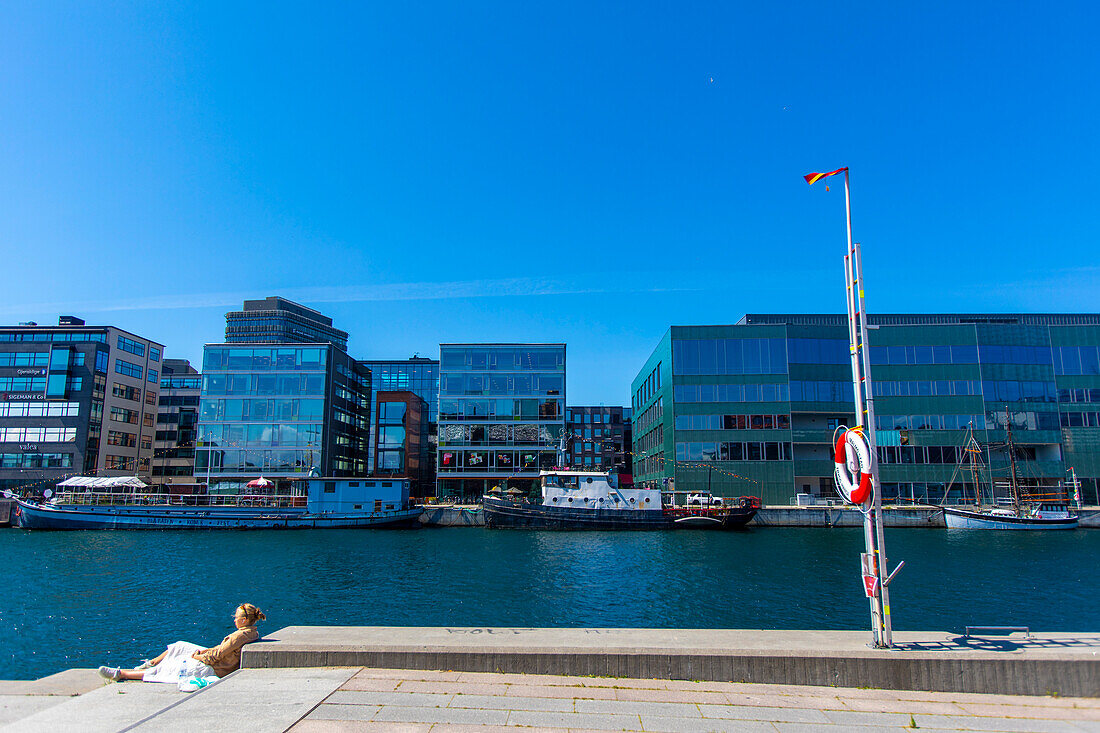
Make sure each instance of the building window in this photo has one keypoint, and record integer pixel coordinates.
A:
(154, 353)
(153, 376)
(131, 346)
(127, 369)
(101, 361)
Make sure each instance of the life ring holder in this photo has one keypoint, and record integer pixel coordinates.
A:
(852, 451)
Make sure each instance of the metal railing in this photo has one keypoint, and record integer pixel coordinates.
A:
(105, 498)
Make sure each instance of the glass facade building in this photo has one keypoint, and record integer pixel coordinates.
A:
(419, 375)
(276, 320)
(75, 400)
(599, 437)
(501, 415)
(177, 423)
(281, 411)
(751, 407)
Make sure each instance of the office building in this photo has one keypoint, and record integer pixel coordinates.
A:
(501, 415)
(177, 423)
(401, 420)
(751, 408)
(283, 411)
(599, 437)
(75, 400)
(276, 320)
(420, 376)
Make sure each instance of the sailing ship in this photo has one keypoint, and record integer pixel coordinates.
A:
(1022, 513)
(124, 503)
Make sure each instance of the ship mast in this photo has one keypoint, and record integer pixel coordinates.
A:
(971, 448)
(1012, 462)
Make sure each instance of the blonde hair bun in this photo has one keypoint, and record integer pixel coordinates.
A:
(251, 613)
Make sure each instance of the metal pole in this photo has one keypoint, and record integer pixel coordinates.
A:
(853, 292)
(869, 431)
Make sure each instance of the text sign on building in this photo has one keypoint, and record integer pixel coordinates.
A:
(8, 396)
(34, 372)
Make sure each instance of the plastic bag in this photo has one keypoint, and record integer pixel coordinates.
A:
(194, 676)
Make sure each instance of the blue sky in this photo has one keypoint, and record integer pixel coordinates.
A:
(579, 172)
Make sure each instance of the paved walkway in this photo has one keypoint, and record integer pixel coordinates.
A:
(317, 700)
(407, 700)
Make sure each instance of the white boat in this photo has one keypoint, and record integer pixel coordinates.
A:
(1041, 516)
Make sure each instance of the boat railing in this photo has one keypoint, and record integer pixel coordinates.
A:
(100, 498)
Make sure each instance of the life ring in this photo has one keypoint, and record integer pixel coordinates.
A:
(853, 454)
(743, 503)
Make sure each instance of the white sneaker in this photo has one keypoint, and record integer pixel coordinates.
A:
(145, 664)
(111, 673)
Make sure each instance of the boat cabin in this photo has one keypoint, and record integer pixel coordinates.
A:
(1052, 510)
(594, 490)
(356, 495)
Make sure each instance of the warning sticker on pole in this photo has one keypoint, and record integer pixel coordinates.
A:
(870, 574)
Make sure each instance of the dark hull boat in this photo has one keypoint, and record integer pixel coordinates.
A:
(588, 500)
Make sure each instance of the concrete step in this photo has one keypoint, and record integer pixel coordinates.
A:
(1044, 664)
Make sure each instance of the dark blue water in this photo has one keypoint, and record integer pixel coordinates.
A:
(80, 599)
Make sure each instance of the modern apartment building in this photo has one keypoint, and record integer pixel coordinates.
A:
(599, 437)
(276, 320)
(282, 411)
(751, 408)
(420, 376)
(501, 415)
(75, 400)
(177, 424)
(401, 420)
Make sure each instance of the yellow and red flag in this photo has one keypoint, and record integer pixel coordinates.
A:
(812, 178)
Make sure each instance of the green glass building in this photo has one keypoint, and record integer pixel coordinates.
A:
(750, 408)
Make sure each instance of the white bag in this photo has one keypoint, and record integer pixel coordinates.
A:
(194, 675)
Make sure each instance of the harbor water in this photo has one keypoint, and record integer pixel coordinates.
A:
(80, 599)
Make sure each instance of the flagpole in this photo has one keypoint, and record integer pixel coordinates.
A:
(874, 540)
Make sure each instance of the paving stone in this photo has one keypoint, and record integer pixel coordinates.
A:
(960, 722)
(574, 720)
(443, 715)
(499, 702)
(440, 687)
(579, 693)
(818, 728)
(681, 696)
(738, 712)
(618, 707)
(15, 707)
(374, 684)
(854, 718)
(703, 725)
(357, 726)
(403, 699)
(897, 706)
(336, 711)
(1030, 711)
(408, 674)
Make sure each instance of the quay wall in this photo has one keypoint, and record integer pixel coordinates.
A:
(453, 515)
(836, 516)
(770, 516)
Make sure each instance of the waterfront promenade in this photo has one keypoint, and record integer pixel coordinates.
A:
(346, 699)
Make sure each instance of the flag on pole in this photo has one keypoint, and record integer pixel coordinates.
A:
(812, 178)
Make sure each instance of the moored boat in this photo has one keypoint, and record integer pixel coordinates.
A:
(1020, 513)
(592, 500)
(321, 503)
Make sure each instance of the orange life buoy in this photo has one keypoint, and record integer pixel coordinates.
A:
(853, 454)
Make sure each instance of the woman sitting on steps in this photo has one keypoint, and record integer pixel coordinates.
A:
(183, 659)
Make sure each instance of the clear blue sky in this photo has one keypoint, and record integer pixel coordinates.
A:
(579, 172)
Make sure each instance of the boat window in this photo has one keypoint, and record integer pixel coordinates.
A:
(330, 487)
(588, 480)
(353, 483)
(570, 499)
(632, 500)
(647, 500)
